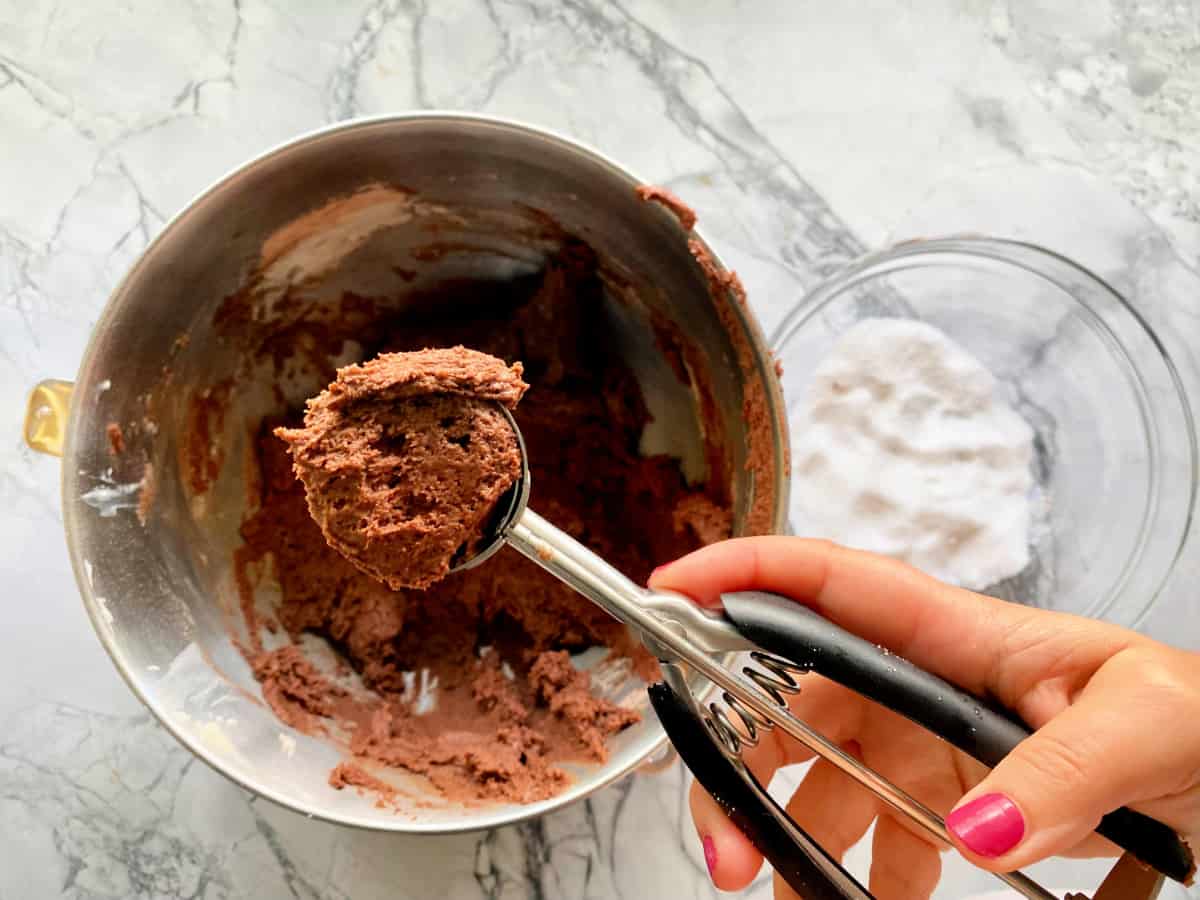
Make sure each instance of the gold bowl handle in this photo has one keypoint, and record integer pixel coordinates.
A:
(46, 416)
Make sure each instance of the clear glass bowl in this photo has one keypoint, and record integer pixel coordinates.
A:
(1115, 444)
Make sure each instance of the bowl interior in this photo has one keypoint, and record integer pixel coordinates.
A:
(389, 209)
(1114, 444)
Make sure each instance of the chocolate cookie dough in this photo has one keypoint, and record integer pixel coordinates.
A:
(404, 457)
(470, 682)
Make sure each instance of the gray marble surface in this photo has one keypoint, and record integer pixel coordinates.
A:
(802, 132)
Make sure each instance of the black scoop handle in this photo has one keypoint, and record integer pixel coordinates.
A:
(977, 727)
(795, 857)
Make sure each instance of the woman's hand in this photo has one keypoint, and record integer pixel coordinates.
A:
(1117, 718)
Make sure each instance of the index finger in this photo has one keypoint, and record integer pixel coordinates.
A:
(955, 633)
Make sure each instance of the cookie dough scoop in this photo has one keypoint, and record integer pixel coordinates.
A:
(413, 466)
(411, 461)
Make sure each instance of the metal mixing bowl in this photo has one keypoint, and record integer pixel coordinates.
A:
(161, 594)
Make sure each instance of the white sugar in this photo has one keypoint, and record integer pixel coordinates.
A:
(906, 448)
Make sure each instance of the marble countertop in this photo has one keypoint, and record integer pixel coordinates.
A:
(803, 133)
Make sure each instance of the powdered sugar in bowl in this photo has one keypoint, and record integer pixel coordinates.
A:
(1110, 479)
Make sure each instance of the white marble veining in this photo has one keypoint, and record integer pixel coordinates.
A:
(802, 132)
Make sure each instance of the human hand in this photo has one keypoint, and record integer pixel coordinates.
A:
(1117, 718)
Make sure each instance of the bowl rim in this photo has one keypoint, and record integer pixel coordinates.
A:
(651, 756)
(1010, 252)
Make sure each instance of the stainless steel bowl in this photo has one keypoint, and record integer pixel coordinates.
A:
(494, 196)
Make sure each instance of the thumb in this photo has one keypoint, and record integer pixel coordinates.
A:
(1119, 743)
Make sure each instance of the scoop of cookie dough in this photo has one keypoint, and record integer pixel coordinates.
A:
(404, 457)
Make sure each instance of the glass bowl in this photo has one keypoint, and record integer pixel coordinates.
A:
(1115, 455)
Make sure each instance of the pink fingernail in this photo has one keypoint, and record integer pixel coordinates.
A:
(990, 825)
(710, 854)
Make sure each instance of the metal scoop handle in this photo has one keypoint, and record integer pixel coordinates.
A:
(666, 622)
(679, 632)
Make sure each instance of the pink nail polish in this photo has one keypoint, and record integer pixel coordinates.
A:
(990, 825)
(710, 854)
